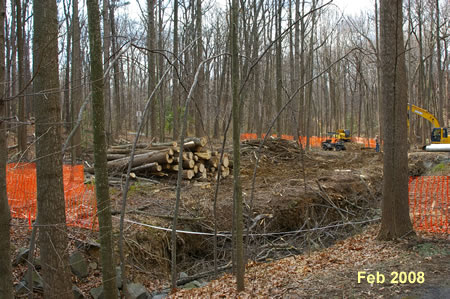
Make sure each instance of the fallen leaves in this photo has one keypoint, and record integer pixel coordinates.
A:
(304, 275)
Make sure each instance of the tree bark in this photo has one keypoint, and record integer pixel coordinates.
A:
(66, 85)
(395, 221)
(237, 189)
(301, 71)
(279, 79)
(22, 129)
(76, 90)
(310, 73)
(12, 68)
(151, 64)
(161, 157)
(377, 45)
(199, 98)
(175, 92)
(101, 173)
(6, 284)
(439, 68)
(162, 101)
(116, 74)
(50, 194)
(423, 124)
(106, 59)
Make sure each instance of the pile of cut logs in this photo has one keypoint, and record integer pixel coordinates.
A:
(162, 159)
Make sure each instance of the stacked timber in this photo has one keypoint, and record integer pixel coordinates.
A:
(162, 159)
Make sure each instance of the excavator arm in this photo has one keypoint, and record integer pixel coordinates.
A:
(425, 114)
(440, 137)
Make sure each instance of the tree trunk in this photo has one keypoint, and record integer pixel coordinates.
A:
(66, 85)
(161, 157)
(279, 80)
(101, 173)
(377, 46)
(439, 68)
(175, 91)
(301, 71)
(395, 222)
(29, 90)
(361, 96)
(310, 73)
(255, 118)
(12, 78)
(76, 83)
(116, 75)
(50, 194)
(106, 59)
(6, 284)
(345, 112)
(162, 101)
(297, 64)
(22, 129)
(237, 189)
(422, 97)
(291, 122)
(151, 64)
(199, 99)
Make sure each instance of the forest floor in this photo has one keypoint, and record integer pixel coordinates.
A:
(292, 192)
(333, 272)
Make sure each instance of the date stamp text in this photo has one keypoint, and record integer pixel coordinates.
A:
(395, 277)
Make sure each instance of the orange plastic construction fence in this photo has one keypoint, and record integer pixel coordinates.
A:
(367, 142)
(81, 206)
(429, 203)
(429, 199)
(314, 141)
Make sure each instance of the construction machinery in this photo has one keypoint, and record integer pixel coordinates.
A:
(338, 145)
(440, 139)
(344, 135)
(329, 145)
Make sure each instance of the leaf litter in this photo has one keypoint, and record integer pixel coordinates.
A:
(334, 271)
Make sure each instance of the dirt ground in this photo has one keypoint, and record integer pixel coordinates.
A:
(292, 191)
(282, 201)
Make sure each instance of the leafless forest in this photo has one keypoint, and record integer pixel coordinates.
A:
(82, 80)
(310, 54)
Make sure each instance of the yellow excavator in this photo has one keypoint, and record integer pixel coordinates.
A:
(440, 139)
(344, 135)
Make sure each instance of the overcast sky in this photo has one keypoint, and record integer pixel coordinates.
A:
(350, 7)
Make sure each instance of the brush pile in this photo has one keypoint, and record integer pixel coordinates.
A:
(162, 159)
(272, 147)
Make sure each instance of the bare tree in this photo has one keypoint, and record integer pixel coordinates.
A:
(76, 91)
(6, 285)
(151, 64)
(101, 173)
(279, 78)
(116, 74)
(439, 67)
(237, 189)
(162, 105)
(395, 222)
(50, 194)
(199, 98)
(22, 129)
(106, 58)
(175, 92)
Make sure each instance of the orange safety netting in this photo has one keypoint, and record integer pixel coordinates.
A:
(314, 141)
(367, 142)
(429, 198)
(81, 206)
(429, 202)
